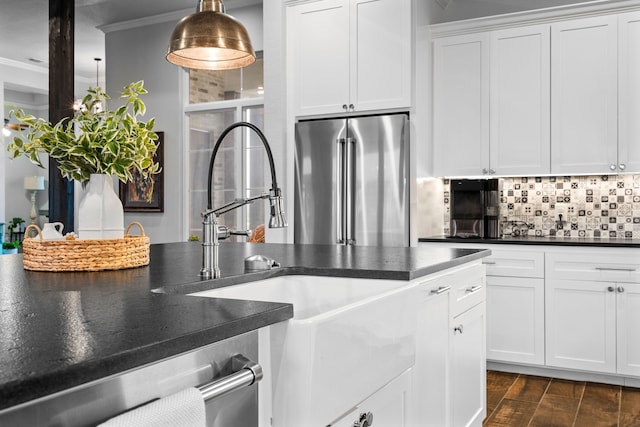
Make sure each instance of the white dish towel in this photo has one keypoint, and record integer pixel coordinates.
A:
(182, 409)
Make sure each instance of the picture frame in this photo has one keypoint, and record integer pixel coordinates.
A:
(132, 193)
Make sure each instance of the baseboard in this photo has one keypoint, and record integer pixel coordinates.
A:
(565, 374)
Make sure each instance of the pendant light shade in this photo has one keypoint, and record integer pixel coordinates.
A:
(210, 40)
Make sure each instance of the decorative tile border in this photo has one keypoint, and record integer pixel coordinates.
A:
(606, 206)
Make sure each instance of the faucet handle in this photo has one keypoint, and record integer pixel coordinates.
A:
(224, 232)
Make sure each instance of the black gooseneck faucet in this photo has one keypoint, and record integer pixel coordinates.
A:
(212, 232)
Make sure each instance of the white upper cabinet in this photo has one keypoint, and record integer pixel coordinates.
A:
(461, 105)
(564, 96)
(318, 51)
(629, 92)
(491, 103)
(584, 128)
(520, 101)
(349, 55)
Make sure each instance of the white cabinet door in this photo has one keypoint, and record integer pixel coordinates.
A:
(584, 96)
(520, 101)
(461, 105)
(628, 296)
(380, 66)
(318, 51)
(389, 406)
(468, 367)
(349, 55)
(430, 373)
(581, 325)
(515, 320)
(629, 92)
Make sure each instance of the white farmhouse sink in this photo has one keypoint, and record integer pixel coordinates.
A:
(347, 339)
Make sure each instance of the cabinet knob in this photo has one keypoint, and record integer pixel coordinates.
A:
(365, 420)
(344, 106)
(620, 289)
(485, 171)
(351, 107)
(611, 289)
(492, 172)
(458, 328)
(612, 167)
(621, 166)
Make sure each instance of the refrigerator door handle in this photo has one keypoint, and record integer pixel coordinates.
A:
(349, 183)
(340, 194)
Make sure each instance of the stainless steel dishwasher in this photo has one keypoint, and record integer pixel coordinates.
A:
(225, 372)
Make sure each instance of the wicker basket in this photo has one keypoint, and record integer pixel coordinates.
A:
(85, 255)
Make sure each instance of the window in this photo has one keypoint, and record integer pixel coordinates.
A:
(211, 86)
(217, 99)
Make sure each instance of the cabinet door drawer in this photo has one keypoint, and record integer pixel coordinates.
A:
(594, 267)
(515, 264)
(468, 288)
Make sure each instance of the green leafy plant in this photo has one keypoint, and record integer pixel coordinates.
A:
(11, 245)
(95, 140)
(15, 221)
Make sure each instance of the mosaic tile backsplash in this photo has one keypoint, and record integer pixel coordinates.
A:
(605, 206)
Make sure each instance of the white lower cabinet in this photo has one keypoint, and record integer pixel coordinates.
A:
(468, 368)
(515, 306)
(593, 312)
(581, 321)
(628, 322)
(431, 372)
(515, 319)
(593, 326)
(450, 370)
(389, 406)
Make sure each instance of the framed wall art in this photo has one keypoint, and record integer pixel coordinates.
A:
(134, 193)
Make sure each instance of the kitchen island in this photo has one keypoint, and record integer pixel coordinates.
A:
(61, 330)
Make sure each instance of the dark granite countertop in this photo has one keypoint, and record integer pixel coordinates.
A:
(61, 330)
(533, 240)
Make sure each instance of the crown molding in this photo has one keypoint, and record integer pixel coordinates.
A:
(41, 70)
(148, 20)
(23, 66)
(539, 16)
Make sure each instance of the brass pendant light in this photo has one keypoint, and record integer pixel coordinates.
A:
(210, 40)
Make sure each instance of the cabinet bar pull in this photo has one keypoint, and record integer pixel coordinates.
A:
(440, 290)
(489, 262)
(248, 373)
(615, 269)
(473, 289)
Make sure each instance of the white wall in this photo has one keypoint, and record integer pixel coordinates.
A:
(136, 51)
(17, 199)
(14, 201)
(25, 86)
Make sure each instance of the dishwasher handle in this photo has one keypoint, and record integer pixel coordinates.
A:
(247, 373)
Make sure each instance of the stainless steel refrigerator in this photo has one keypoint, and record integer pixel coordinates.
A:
(351, 181)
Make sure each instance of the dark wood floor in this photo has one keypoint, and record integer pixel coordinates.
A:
(515, 400)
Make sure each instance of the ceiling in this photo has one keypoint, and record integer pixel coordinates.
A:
(24, 30)
(24, 23)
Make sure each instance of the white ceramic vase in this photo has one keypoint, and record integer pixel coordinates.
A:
(100, 214)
